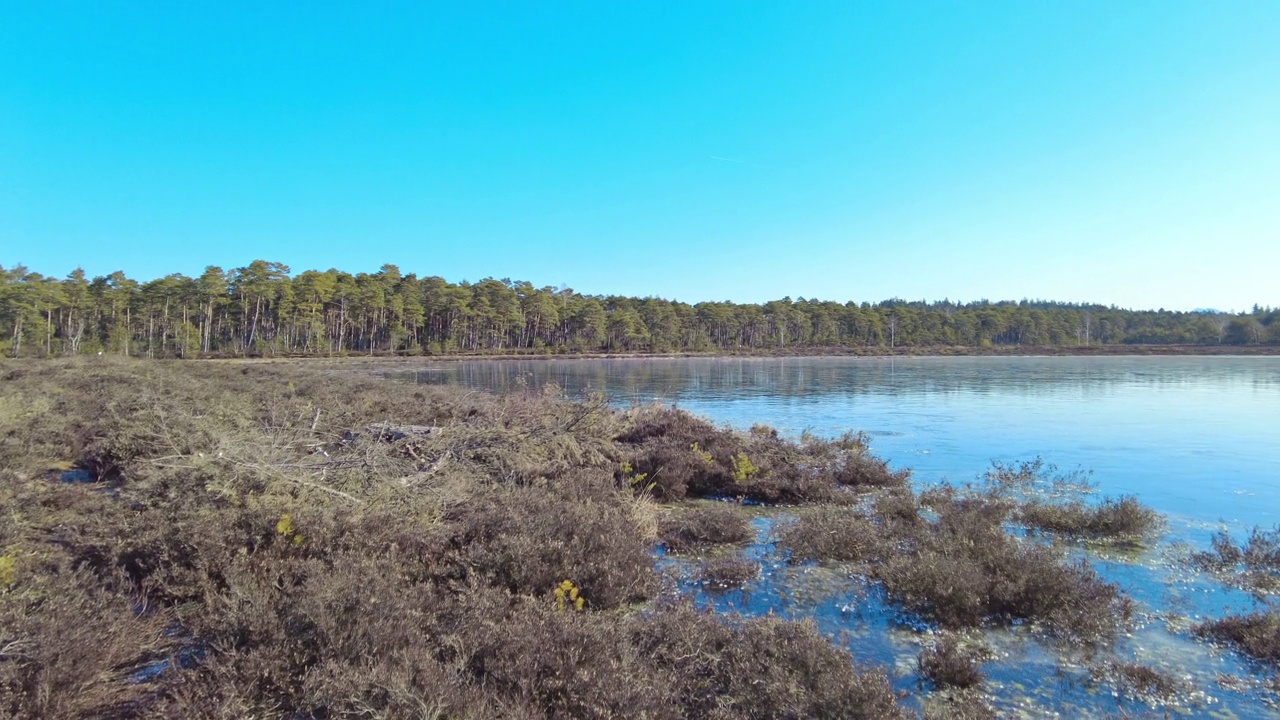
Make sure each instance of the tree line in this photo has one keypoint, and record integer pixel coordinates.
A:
(263, 309)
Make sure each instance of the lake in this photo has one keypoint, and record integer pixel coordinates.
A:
(1196, 438)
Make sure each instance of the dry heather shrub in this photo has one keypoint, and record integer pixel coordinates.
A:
(728, 572)
(69, 646)
(897, 513)
(528, 541)
(819, 470)
(682, 455)
(1112, 519)
(828, 533)
(664, 440)
(949, 662)
(563, 664)
(849, 460)
(963, 570)
(1256, 635)
(1261, 552)
(407, 686)
(332, 636)
(757, 668)
(1049, 501)
(403, 686)
(686, 529)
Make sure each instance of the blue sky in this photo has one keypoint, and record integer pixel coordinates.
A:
(1124, 153)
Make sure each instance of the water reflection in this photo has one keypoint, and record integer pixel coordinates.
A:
(677, 379)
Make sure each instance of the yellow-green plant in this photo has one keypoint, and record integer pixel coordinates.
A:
(743, 468)
(569, 597)
(284, 528)
(8, 568)
(636, 480)
(703, 454)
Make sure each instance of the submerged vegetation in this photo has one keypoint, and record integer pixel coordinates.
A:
(1253, 565)
(264, 309)
(235, 540)
(1257, 635)
(950, 662)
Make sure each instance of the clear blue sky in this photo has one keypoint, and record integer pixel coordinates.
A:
(1116, 152)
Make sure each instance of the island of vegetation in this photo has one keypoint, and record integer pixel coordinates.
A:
(188, 539)
(264, 310)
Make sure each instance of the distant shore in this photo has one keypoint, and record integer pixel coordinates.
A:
(808, 351)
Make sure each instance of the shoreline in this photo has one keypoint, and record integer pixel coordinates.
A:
(801, 352)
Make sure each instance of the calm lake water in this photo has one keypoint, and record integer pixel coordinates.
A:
(1197, 438)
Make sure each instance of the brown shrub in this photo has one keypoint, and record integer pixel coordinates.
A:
(757, 668)
(686, 529)
(565, 664)
(1256, 635)
(528, 541)
(723, 573)
(1140, 681)
(1113, 519)
(681, 455)
(828, 533)
(897, 512)
(69, 646)
(962, 705)
(664, 439)
(948, 662)
(853, 465)
(963, 569)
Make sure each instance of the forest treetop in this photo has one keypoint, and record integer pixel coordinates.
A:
(261, 309)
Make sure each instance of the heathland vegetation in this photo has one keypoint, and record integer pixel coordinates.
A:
(263, 309)
(294, 540)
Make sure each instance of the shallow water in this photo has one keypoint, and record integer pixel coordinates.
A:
(1197, 438)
